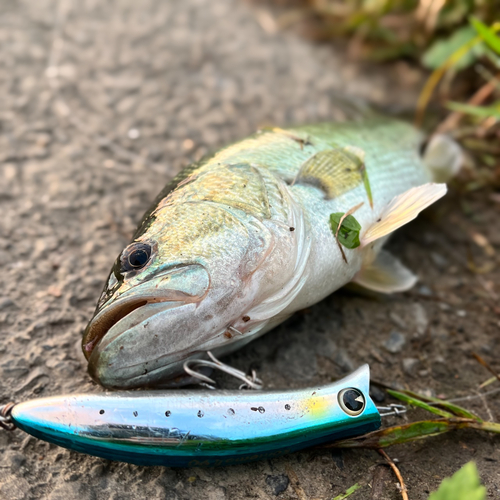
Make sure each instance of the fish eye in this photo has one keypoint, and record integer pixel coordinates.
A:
(135, 257)
(352, 401)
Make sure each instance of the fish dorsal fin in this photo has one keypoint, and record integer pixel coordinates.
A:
(385, 274)
(335, 171)
(402, 209)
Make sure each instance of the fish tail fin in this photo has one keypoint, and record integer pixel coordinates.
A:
(402, 209)
(443, 157)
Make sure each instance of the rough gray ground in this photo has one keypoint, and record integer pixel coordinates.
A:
(101, 102)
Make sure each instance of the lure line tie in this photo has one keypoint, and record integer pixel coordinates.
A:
(392, 409)
(5, 417)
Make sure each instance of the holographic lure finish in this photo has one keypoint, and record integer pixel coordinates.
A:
(201, 428)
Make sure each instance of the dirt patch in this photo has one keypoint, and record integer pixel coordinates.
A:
(100, 104)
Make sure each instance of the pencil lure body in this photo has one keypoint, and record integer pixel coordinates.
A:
(241, 240)
(196, 428)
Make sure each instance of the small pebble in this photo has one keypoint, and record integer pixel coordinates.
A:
(429, 393)
(338, 458)
(420, 317)
(377, 394)
(277, 484)
(425, 290)
(410, 366)
(397, 320)
(395, 342)
(439, 260)
(5, 302)
(343, 360)
(16, 460)
(133, 133)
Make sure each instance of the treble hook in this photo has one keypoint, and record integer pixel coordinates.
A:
(249, 381)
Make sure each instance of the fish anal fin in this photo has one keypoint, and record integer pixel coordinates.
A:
(385, 274)
(334, 171)
(402, 209)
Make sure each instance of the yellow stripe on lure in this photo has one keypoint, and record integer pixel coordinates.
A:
(239, 241)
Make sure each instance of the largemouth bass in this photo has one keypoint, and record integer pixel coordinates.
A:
(239, 241)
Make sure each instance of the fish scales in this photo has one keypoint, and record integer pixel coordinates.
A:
(242, 239)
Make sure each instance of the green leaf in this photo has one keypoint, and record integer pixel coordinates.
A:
(348, 492)
(417, 402)
(463, 485)
(479, 111)
(349, 230)
(487, 34)
(441, 50)
(414, 431)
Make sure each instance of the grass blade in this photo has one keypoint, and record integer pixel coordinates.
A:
(414, 401)
(397, 434)
(458, 411)
(487, 34)
(348, 492)
(414, 431)
(479, 111)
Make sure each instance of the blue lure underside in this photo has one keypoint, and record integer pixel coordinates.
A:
(180, 428)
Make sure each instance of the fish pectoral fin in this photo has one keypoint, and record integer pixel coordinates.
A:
(334, 171)
(385, 274)
(402, 209)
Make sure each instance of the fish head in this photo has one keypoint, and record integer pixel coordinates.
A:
(177, 286)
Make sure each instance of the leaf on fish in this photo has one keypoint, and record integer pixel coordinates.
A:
(348, 234)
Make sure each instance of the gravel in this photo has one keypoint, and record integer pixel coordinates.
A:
(101, 103)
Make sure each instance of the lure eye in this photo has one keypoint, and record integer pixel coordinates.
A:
(135, 257)
(352, 401)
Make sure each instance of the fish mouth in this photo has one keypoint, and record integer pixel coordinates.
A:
(170, 289)
(101, 324)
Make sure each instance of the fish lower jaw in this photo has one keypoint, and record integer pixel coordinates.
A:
(105, 321)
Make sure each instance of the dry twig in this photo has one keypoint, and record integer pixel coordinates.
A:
(482, 362)
(452, 120)
(294, 480)
(396, 471)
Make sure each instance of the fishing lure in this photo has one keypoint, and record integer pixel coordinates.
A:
(200, 427)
